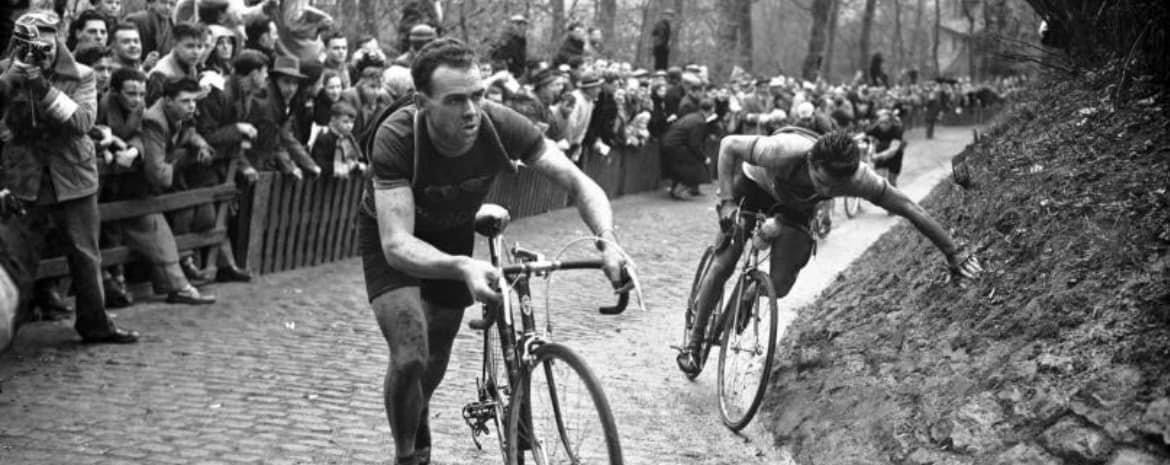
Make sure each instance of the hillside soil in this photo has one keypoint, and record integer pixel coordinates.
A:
(1059, 354)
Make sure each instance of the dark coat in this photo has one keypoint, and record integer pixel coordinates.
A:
(219, 112)
(276, 146)
(154, 29)
(168, 145)
(572, 53)
(661, 34)
(512, 50)
(56, 139)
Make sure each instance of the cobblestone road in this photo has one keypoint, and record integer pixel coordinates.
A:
(288, 370)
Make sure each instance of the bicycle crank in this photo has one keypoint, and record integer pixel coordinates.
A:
(477, 415)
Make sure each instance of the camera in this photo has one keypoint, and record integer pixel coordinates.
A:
(29, 45)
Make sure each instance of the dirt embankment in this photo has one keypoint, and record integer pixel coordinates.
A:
(1060, 354)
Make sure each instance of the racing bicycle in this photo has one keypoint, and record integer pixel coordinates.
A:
(743, 323)
(540, 398)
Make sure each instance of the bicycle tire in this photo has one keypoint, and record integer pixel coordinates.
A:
(700, 274)
(495, 374)
(736, 413)
(852, 206)
(529, 424)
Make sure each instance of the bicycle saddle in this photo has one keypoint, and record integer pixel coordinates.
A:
(491, 220)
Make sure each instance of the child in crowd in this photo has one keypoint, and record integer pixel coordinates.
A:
(336, 150)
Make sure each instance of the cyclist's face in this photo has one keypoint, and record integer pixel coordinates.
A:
(453, 104)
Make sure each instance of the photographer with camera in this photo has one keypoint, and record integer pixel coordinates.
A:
(49, 104)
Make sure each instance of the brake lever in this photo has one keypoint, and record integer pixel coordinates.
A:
(623, 290)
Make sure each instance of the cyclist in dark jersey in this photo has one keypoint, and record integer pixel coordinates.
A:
(785, 175)
(433, 164)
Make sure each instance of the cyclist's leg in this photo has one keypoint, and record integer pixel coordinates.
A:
(444, 303)
(400, 316)
(790, 252)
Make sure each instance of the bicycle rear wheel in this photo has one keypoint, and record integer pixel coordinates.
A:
(749, 344)
(559, 414)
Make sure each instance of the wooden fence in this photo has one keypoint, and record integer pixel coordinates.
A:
(286, 224)
(113, 211)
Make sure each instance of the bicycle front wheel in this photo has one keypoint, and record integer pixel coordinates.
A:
(559, 414)
(749, 344)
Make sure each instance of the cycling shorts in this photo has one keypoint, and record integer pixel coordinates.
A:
(382, 278)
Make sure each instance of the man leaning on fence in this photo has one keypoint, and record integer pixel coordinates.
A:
(49, 104)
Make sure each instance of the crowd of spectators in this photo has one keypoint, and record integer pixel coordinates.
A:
(185, 95)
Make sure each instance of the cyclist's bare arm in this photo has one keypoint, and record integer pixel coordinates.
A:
(403, 250)
(592, 203)
(734, 150)
(898, 203)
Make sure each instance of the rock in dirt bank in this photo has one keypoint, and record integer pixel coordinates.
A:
(1059, 354)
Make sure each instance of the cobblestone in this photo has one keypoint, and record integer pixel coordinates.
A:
(232, 383)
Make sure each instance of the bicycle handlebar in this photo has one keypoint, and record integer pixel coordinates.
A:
(546, 266)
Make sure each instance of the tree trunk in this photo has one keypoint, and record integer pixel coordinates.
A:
(746, 48)
(866, 28)
(899, 46)
(972, 53)
(605, 18)
(816, 39)
(369, 12)
(557, 33)
(937, 30)
(676, 33)
(827, 63)
(917, 46)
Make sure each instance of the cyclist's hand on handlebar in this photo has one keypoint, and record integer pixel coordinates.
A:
(726, 211)
(481, 278)
(964, 265)
(614, 265)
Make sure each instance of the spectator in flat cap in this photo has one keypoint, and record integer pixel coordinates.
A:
(511, 51)
(549, 87)
(758, 110)
(584, 99)
(420, 35)
(415, 12)
(55, 172)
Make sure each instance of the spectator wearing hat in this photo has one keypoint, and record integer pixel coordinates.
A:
(583, 99)
(606, 122)
(337, 58)
(682, 151)
(55, 172)
(549, 88)
(511, 52)
(336, 150)
(224, 114)
(154, 24)
(416, 12)
(368, 96)
(693, 93)
(276, 147)
(660, 44)
(420, 35)
(758, 108)
(190, 41)
(572, 51)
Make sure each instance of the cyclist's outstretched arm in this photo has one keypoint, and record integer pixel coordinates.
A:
(898, 203)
